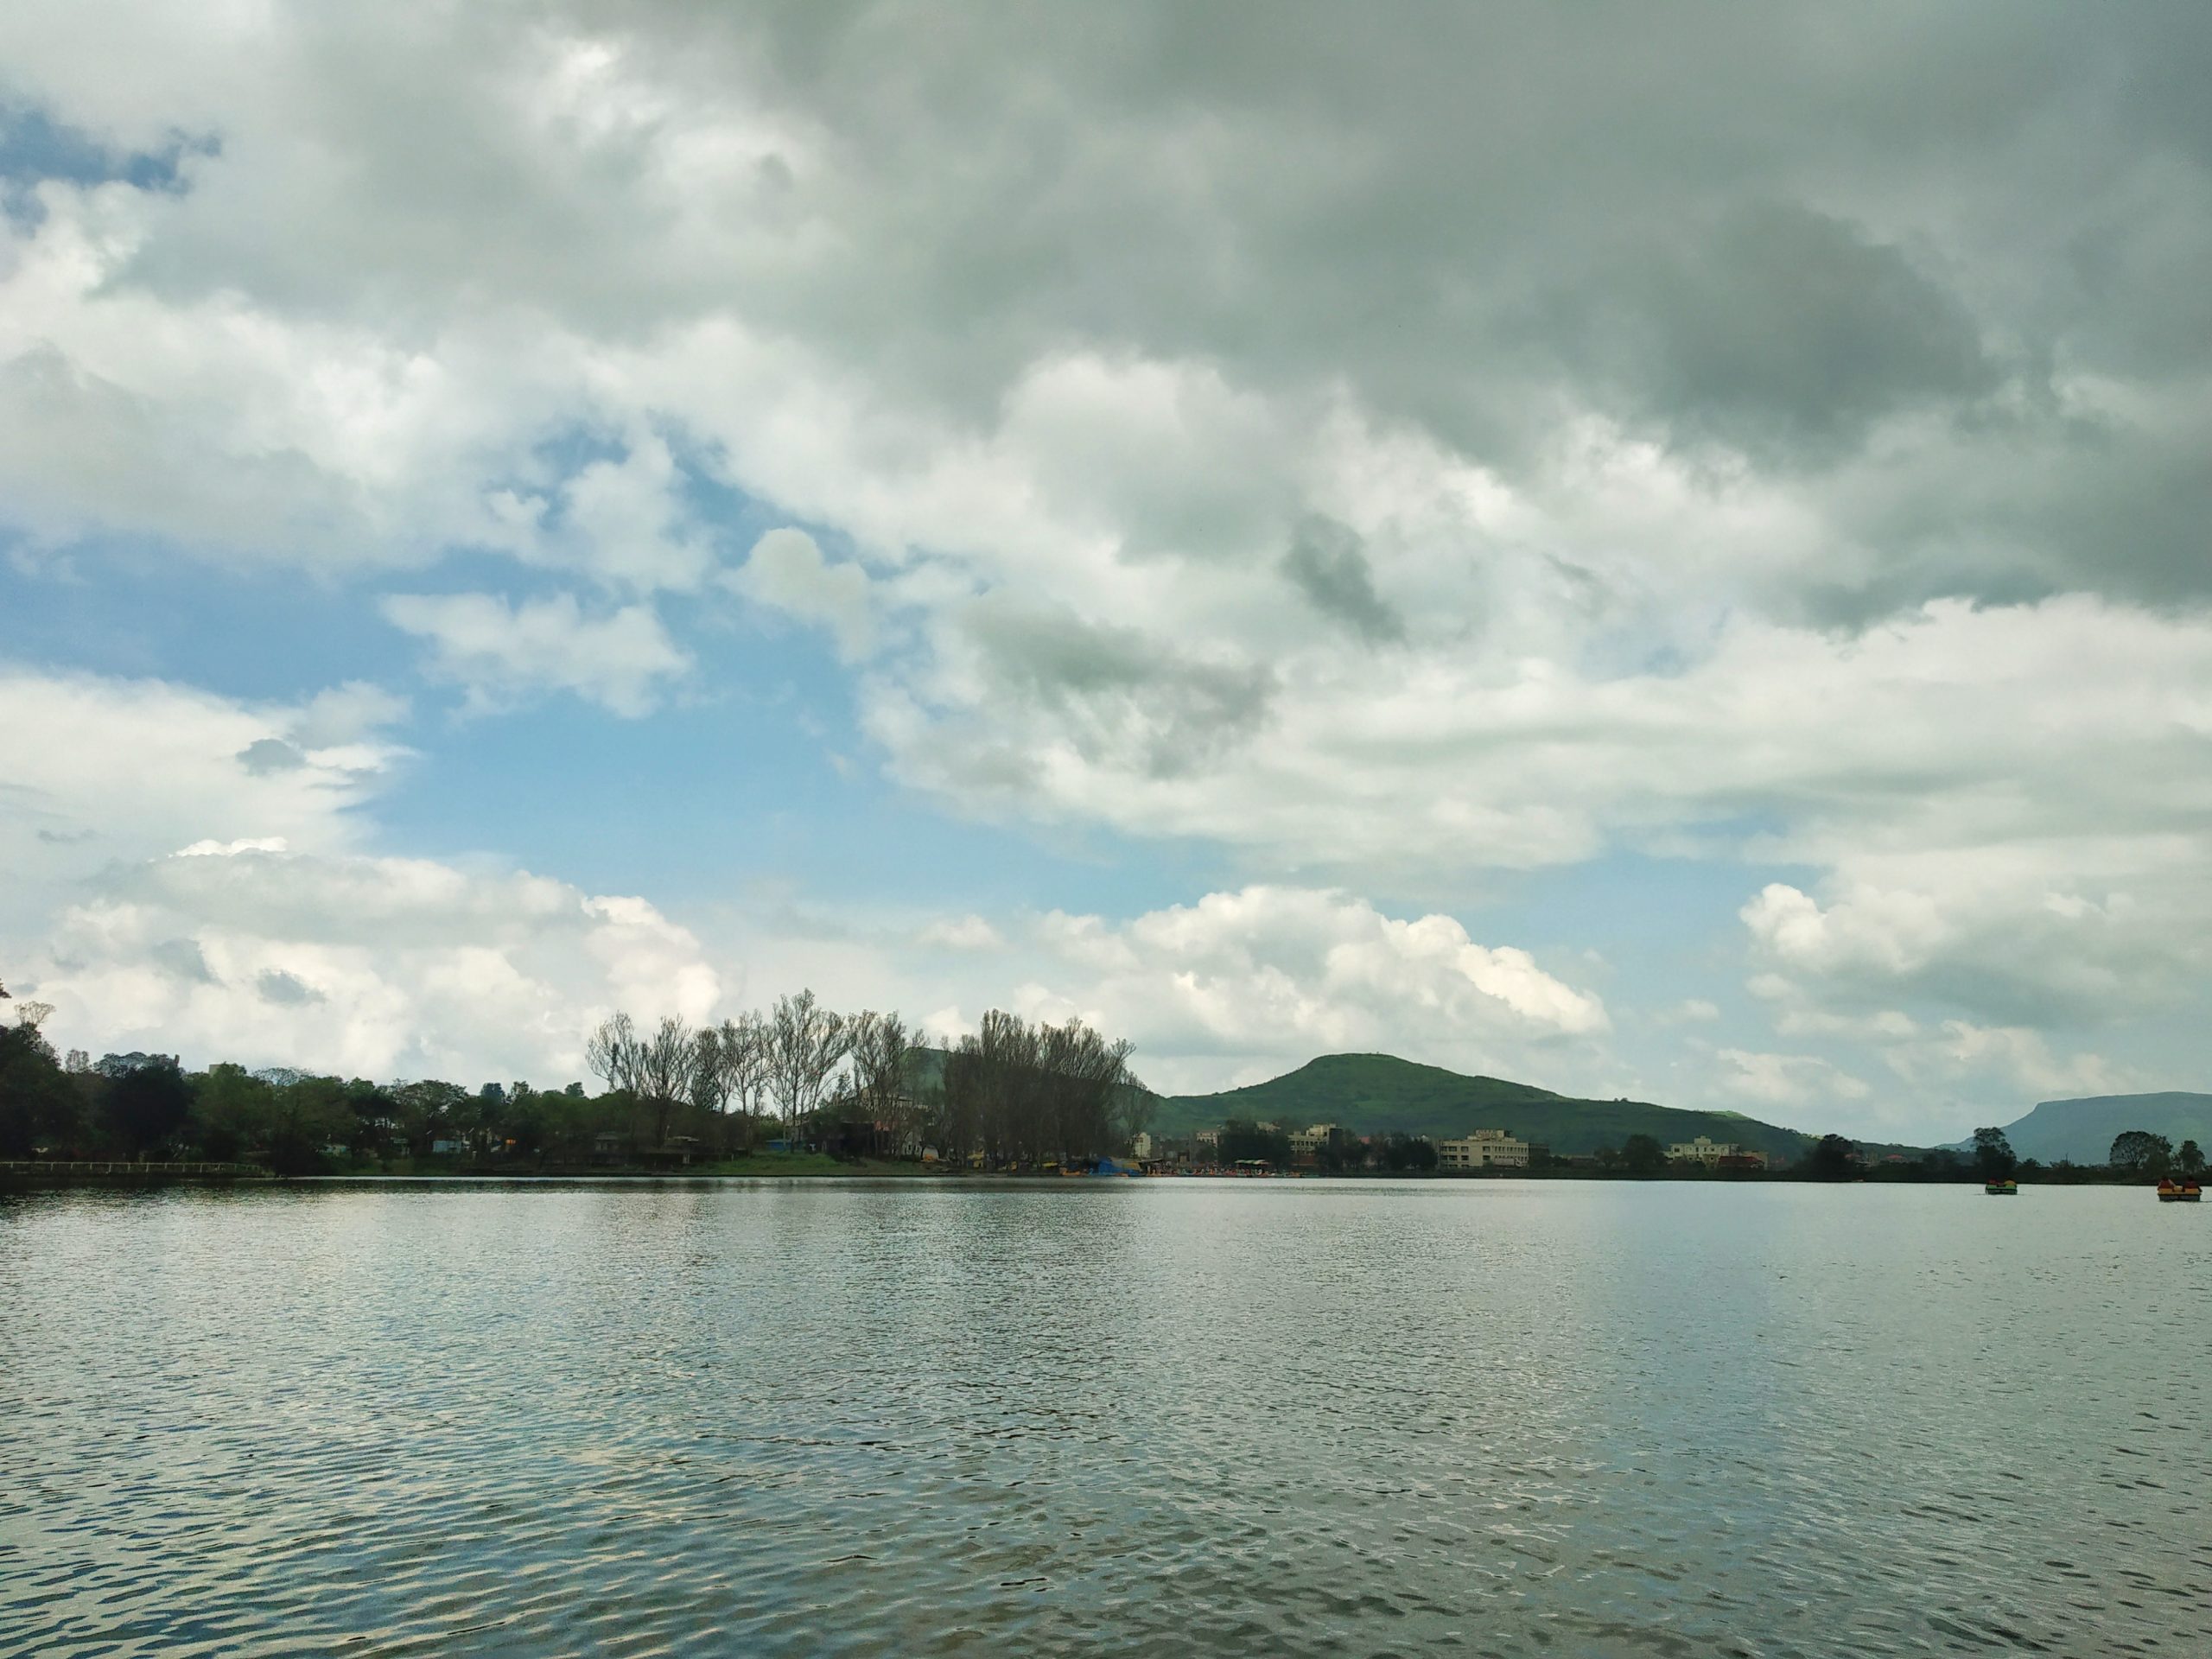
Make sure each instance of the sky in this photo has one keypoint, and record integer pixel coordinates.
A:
(1659, 553)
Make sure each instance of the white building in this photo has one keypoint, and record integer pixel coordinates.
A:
(1483, 1149)
(1140, 1146)
(1304, 1143)
(1703, 1150)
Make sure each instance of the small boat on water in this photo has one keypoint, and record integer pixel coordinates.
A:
(2004, 1189)
(2184, 1190)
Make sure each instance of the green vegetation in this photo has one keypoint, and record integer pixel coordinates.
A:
(1994, 1159)
(2082, 1131)
(1380, 1094)
(2139, 1152)
(797, 1088)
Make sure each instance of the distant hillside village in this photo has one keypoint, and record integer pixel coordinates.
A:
(1263, 1147)
(799, 1088)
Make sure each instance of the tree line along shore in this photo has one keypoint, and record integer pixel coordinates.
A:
(799, 1088)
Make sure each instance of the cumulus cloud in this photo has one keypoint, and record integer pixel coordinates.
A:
(504, 654)
(185, 900)
(1792, 1081)
(1294, 450)
(1269, 976)
(95, 772)
(368, 966)
(786, 571)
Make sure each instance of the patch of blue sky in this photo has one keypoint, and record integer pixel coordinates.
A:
(34, 148)
(136, 610)
(753, 775)
(1671, 927)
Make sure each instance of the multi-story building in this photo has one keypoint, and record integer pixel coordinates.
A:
(1304, 1143)
(1483, 1149)
(1703, 1150)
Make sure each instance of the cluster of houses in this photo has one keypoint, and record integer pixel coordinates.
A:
(1483, 1149)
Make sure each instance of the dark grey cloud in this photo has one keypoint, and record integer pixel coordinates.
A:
(271, 754)
(1328, 563)
(1118, 694)
(1781, 330)
(286, 990)
(183, 959)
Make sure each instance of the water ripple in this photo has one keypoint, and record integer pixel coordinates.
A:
(1279, 1419)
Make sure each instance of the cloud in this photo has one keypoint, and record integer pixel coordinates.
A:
(226, 911)
(96, 771)
(371, 967)
(1783, 330)
(1269, 976)
(961, 933)
(1327, 565)
(505, 654)
(2082, 931)
(1723, 477)
(786, 571)
(1789, 1081)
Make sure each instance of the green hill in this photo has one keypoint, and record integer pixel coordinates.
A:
(2082, 1130)
(1375, 1094)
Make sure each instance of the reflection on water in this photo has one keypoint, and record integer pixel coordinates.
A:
(1167, 1417)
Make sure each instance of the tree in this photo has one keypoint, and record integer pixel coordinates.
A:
(230, 1112)
(741, 1053)
(614, 1051)
(1245, 1141)
(1993, 1155)
(2190, 1160)
(147, 1101)
(1832, 1158)
(882, 1062)
(1643, 1155)
(665, 1063)
(2139, 1152)
(39, 1104)
(426, 1112)
(806, 1045)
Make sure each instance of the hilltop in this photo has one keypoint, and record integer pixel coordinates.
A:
(1374, 1094)
(2082, 1130)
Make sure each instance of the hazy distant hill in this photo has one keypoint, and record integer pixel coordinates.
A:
(1372, 1094)
(2082, 1130)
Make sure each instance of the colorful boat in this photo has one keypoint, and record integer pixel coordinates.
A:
(2004, 1189)
(2184, 1190)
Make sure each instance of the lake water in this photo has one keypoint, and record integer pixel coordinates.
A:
(1164, 1417)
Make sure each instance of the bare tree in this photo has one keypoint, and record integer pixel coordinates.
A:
(613, 1052)
(806, 1044)
(1022, 1093)
(741, 1054)
(883, 1090)
(666, 1063)
(709, 1079)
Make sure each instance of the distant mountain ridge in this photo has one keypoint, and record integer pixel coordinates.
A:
(1376, 1094)
(2082, 1130)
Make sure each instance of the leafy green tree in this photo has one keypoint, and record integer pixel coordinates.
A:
(305, 1117)
(1643, 1155)
(2139, 1152)
(231, 1114)
(1241, 1141)
(426, 1111)
(148, 1100)
(1341, 1153)
(39, 1104)
(1832, 1158)
(1993, 1155)
(2190, 1160)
